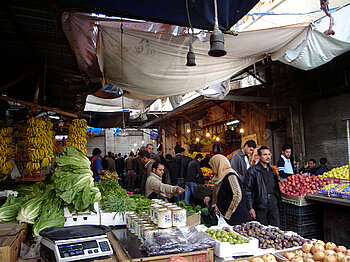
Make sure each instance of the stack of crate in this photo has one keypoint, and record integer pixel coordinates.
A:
(306, 220)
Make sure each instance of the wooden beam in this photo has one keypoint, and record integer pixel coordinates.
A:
(167, 130)
(259, 109)
(256, 99)
(56, 110)
(18, 79)
(191, 121)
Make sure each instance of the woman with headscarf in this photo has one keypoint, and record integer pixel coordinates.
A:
(228, 197)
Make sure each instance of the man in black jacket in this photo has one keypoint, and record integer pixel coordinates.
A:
(194, 176)
(262, 190)
(181, 162)
(240, 160)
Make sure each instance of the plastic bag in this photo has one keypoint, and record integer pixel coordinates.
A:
(221, 220)
(30, 251)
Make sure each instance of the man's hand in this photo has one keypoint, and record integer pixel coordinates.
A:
(206, 200)
(252, 214)
(180, 190)
(169, 196)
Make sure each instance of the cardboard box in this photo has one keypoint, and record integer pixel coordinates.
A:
(11, 236)
(194, 219)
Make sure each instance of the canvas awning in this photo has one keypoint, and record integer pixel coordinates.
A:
(150, 63)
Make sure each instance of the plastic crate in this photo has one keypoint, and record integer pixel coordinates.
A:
(112, 218)
(306, 230)
(293, 210)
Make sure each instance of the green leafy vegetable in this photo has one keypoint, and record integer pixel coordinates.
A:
(51, 215)
(9, 210)
(73, 180)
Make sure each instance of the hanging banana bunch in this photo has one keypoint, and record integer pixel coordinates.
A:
(77, 135)
(6, 151)
(41, 144)
(22, 136)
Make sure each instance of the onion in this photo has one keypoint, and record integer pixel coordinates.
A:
(289, 255)
(340, 255)
(330, 258)
(319, 255)
(308, 255)
(320, 242)
(307, 247)
(309, 259)
(347, 252)
(297, 259)
(316, 248)
(330, 245)
(257, 259)
(269, 258)
(340, 249)
(345, 259)
(329, 252)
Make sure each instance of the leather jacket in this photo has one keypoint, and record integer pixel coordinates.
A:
(255, 188)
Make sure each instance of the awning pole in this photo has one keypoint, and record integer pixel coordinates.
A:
(348, 137)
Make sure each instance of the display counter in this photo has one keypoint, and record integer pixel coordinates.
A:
(336, 218)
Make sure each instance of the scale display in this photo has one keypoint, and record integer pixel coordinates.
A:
(78, 249)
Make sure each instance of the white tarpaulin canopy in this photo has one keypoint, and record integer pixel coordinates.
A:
(148, 61)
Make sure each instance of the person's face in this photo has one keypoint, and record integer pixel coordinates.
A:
(248, 150)
(265, 156)
(159, 171)
(150, 149)
(199, 160)
(287, 153)
(143, 160)
(311, 164)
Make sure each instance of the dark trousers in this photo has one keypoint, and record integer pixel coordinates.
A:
(270, 215)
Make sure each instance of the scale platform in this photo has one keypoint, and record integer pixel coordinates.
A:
(76, 243)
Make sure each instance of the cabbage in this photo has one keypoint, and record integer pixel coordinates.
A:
(9, 210)
(73, 180)
(51, 215)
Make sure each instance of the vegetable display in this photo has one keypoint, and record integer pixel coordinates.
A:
(73, 180)
(116, 199)
(190, 210)
(223, 235)
(9, 209)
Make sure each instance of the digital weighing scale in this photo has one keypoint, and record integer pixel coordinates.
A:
(75, 243)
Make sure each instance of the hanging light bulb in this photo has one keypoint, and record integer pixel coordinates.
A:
(217, 37)
(190, 55)
(218, 139)
(135, 144)
(188, 130)
(197, 139)
(153, 140)
(241, 130)
(142, 141)
(207, 135)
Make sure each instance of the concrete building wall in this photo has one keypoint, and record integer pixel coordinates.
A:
(325, 132)
(118, 144)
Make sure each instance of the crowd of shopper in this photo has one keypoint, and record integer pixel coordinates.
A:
(243, 192)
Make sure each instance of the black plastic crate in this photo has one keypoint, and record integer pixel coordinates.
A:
(306, 230)
(293, 210)
(302, 220)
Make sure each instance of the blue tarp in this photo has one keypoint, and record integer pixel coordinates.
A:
(168, 11)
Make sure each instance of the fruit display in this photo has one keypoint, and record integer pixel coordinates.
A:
(319, 251)
(77, 135)
(22, 138)
(269, 237)
(41, 145)
(301, 185)
(264, 258)
(207, 173)
(108, 174)
(341, 172)
(224, 235)
(6, 151)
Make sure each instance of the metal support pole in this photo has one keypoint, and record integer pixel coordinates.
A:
(292, 127)
(348, 137)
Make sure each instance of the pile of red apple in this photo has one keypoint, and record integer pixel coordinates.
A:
(301, 185)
